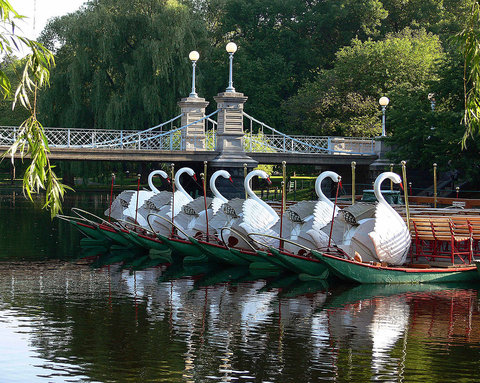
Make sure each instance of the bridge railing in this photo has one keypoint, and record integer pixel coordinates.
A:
(100, 138)
(154, 138)
(269, 139)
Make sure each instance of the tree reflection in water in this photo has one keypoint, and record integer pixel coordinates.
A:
(70, 323)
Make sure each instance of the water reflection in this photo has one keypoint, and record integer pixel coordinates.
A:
(65, 322)
(27, 231)
(71, 323)
(398, 324)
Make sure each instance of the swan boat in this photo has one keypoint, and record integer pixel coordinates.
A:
(198, 248)
(124, 233)
(360, 272)
(268, 258)
(384, 242)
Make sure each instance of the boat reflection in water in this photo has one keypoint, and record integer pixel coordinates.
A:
(399, 323)
(71, 323)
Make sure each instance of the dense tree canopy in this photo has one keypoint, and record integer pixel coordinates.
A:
(308, 67)
(120, 64)
(344, 100)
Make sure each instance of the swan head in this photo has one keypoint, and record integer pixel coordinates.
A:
(327, 174)
(394, 177)
(165, 176)
(222, 173)
(253, 173)
(264, 175)
(161, 173)
(377, 186)
(180, 171)
(187, 170)
(219, 173)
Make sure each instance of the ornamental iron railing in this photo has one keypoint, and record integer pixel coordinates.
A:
(267, 139)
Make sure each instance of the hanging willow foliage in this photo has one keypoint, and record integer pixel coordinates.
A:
(469, 39)
(30, 139)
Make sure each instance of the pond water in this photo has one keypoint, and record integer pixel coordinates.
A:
(61, 321)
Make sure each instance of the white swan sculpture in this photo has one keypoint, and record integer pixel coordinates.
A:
(192, 219)
(143, 195)
(218, 199)
(384, 238)
(229, 214)
(257, 216)
(124, 207)
(179, 199)
(309, 233)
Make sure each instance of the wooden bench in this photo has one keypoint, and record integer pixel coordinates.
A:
(443, 237)
(473, 223)
(422, 234)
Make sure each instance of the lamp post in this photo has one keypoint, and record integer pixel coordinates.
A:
(383, 103)
(231, 49)
(193, 56)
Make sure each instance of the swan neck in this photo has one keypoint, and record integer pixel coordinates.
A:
(178, 185)
(318, 188)
(247, 186)
(377, 190)
(252, 195)
(150, 181)
(214, 189)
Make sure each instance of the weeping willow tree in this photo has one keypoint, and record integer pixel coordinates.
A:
(121, 64)
(30, 139)
(469, 39)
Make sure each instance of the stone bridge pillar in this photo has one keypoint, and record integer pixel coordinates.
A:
(230, 136)
(382, 163)
(193, 109)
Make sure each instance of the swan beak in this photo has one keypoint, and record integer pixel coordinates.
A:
(230, 179)
(269, 181)
(340, 184)
(169, 181)
(401, 185)
(194, 177)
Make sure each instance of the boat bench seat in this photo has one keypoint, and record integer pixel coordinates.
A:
(442, 237)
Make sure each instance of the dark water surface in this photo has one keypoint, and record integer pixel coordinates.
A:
(64, 322)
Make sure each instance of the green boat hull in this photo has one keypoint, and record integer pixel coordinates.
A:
(89, 231)
(249, 257)
(268, 258)
(366, 273)
(183, 247)
(258, 265)
(87, 242)
(219, 254)
(302, 265)
(165, 255)
(149, 243)
(117, 237)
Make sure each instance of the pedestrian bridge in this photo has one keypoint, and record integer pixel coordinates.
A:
(166, 143)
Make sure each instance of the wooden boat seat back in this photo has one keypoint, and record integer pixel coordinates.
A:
(443, 237)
